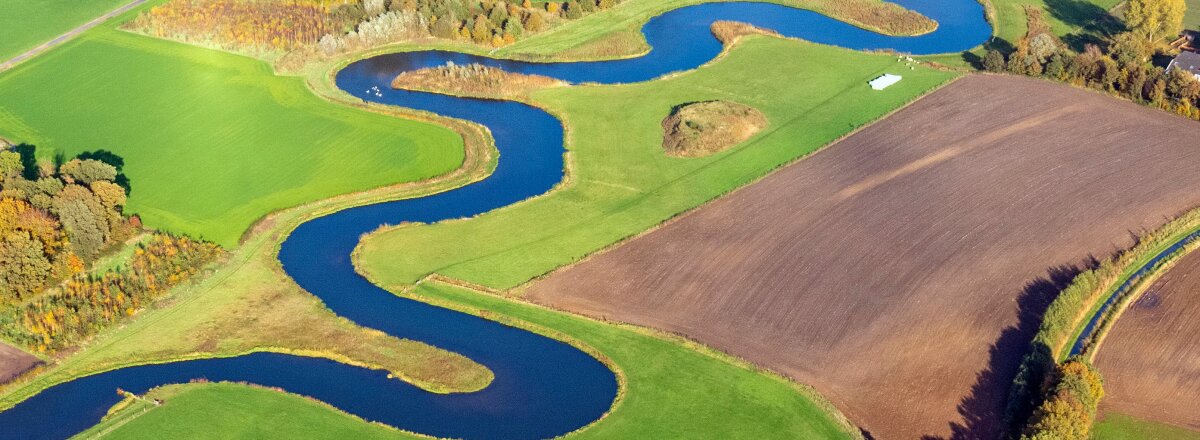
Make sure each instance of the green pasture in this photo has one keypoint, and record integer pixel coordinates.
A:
(228, 411)
(672, 392)
(619, 189)
(211, 141)
(621, 26)
(24, 24)
(1123, 427)
(1191, 20)
(1065, 16)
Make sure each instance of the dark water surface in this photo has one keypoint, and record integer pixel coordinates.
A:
(543, 387)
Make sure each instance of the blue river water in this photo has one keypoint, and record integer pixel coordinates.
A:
(542, 387)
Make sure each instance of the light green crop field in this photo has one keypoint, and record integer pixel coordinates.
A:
(1191, 20)
(619, 189)
(672, 392)
(24, 24)
(1122, 427)
(218, 410)
(211, 141)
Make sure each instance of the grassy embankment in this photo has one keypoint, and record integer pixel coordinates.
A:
(717, 397)
(619, 189)
(204, 134)
(26, 24)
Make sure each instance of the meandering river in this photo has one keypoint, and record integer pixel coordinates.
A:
(542, 387)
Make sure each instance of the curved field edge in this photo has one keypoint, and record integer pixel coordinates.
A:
(656, 393)
(1085, 297)
(1101, 294)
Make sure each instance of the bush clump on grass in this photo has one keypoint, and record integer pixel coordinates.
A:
(1068, 411)
(703, 128)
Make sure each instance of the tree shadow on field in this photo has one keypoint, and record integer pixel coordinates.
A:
(1094, 22)
(983, 408)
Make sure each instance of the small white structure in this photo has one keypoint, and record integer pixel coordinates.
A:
(884, 81)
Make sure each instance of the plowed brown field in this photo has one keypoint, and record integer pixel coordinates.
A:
(14, 362)
(1151, 358)
(902, 271)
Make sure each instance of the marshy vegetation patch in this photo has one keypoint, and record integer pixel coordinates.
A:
(474, 80)
(703, 128)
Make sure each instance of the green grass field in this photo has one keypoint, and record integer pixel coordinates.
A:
(211, 141)
(1065, 16)
(1192, 19)
(617, 32)
(672, 392)
(619, 189)
(24, 24)
(218, 410)
(1122, 427)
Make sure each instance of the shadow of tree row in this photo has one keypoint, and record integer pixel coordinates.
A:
(994, 408)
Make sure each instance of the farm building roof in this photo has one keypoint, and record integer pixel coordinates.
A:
(1188, 61)
(883, 81)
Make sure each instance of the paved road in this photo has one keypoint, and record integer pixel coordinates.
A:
(67, 36)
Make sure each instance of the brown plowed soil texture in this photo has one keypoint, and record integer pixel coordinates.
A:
(902, 271)
(13, 362)
(1151, 357)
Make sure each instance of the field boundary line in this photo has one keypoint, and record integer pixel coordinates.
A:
(67, 36)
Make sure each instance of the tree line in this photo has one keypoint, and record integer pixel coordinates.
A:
(57, 217)
(1120, 64)
(84, 305)
(309, 29)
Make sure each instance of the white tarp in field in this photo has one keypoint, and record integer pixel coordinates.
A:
(884, 81)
